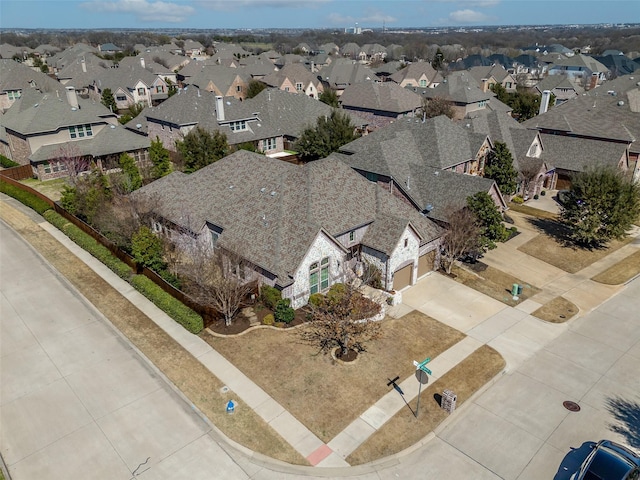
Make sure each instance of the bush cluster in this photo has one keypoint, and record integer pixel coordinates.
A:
(283, 311)
(7, 162)
(518, 200)
(270, 296)
(89, 244)
(177, 310)
(268, 319)
(27, 198)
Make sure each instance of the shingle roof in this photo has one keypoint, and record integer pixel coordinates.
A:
(581, 60)
(598, 114)
(382, 97)
(125, 77)
(37, 112)
(410, 152)
(271, 211)
(17, 76)
(496, 71)
(415, 71)
(295, 72)
(343, 72)
(109, 141)
(221, 76)
(458, 87)
(576, 154)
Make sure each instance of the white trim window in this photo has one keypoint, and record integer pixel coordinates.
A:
(270, 144)
(14, 94)
(80, 131)
(238, 126)
(299, 86)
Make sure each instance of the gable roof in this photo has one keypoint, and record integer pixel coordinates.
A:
(581, 60)
(295, 72)
(460, 88)
(17, 76)
(498, 72)
(609, 112)
(577, 154)
(342, 72)
(221, 76)
(382, 97)
(281, 207)
(415, 71)
(411, 152)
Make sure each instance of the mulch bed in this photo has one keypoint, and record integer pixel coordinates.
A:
(241, 322)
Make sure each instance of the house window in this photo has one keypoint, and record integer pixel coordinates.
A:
(142, 91)
(286, 89)
(121, 98)
(372, 177)
(482, 103)
(324, 274)
(299, 86)
(352, 236)
(508, 85)
(159, 89)
(214, 238)
(238, 126)
(80, 131)
(406, 242)
(14, 94)
(238, 88)
(423, 83)
(319, 276)
(270, 143)
(47, 168)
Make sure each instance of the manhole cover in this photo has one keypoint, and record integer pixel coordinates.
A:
(571, 406)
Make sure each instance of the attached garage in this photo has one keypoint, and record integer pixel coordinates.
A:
(563, 181)
(402, 277)
(426, 263)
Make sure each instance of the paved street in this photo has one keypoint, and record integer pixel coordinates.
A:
(77, 401)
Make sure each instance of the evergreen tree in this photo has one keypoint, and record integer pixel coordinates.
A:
(330, 97)
(602, 204)
(108, 100)
(201, 148)
(160, 158)
(329, 134)
(489, 220)
(254, 88)
(500, 168)
(132, 177)
(146, 249)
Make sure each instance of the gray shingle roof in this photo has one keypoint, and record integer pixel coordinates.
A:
(342, 72)
(458, 87)
(275, 230)
(576, 154)
(295, 72)
(382, 97)
(221, 76)
(598, 114)
(109, 141)
(411, 152)
(37, 112)
(17, 76)
(415, 71)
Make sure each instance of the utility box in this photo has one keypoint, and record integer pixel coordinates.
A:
(449, 401)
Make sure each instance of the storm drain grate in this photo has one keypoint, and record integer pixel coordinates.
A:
(571, 406)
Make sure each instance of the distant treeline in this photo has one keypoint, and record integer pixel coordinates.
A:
(415, 45)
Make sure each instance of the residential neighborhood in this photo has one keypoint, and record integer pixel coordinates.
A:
(310, 258)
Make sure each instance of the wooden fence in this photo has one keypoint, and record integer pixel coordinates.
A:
(18, 173)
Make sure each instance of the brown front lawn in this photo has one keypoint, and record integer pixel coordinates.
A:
(404, 430)
(621, 272)
(551, 246)
(558, 310)
(534, 212)
(493, 282)
(323, 394)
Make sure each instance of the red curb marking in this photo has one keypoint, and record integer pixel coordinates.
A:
(320, 454)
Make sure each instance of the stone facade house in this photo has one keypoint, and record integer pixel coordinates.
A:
(492, 75)
(221, 80)
(343, 72)
(295, 78)
(417, 74)
(308, 226)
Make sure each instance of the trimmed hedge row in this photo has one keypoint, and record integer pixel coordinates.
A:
(27, 198)
(7, 162)
(177, 310)
(89, 244)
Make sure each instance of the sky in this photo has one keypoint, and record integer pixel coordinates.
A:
(338, 14)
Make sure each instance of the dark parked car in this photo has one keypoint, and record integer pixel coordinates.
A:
(609, 461)
(562, 197)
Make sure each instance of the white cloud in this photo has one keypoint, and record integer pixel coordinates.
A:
(378, 17)
(143, 10)
(369, 19)
(339, 19)
(228, 5)
(471, 3)
(468, 16)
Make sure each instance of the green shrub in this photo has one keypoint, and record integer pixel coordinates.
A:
(270, 296)
(170, 278)
(316, 299)
(269, 319)
(283, 312)
(536, 196)
(177, 310)
(88, 243)
(336, 293)
(518, 200)
(7, 162)
(543, 193)
(24, 197)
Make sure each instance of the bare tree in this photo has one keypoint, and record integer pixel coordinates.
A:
(217, 278)
(529, 169)
(436, 106)
(461, 237)
(341, 319)
(69, 155)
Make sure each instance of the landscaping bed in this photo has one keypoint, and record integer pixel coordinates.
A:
(322, 393)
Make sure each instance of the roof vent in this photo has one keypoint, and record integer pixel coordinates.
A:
(138, 125)
(620, 103)
(230, 187)
(436, 173)
(263, 189)
(273, 194)
(112, 126)
(35, 105)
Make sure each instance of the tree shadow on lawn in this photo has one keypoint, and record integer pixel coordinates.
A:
(560, 233)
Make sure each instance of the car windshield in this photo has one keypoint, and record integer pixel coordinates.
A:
(608, 464)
